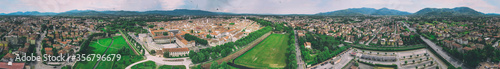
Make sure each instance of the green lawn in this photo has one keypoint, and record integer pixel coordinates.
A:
(100, 46)
(269, 53)
(145, 65)
(172, 67)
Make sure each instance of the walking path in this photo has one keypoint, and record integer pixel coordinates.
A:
(112, 40)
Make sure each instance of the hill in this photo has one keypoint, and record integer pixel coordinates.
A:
(29, 13)
(457, 11)
(365, 11)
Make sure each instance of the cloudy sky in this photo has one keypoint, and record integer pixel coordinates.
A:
(243, 6)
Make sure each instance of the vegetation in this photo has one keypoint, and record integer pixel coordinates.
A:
(258, 56)
(172, 67)
(118, 46)
(323, 48)
(190, 37)
(225, 49)
(291, 60)
(145, 65)
(222, 65)
(380, 48)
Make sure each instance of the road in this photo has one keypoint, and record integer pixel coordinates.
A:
(344, 59)
(374, 35)
(39, 64)
(160, 60)
(439, 50)
(300, 62)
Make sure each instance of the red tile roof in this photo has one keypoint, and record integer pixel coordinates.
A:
(3, 65)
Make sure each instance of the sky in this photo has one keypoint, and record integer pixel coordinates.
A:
(243, 6)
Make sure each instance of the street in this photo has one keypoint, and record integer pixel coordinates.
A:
(298, 56)
(439, 50)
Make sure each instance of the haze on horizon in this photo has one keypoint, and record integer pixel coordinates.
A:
(242, 6)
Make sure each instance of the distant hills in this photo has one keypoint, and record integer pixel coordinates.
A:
(176, 12)
(457, 11)
(365, 11)
(29, 13)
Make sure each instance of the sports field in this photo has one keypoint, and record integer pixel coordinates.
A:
(269, 53)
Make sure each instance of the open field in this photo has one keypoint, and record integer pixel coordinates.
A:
(172, 67)
(100, 46)
(145, 65)
(270, 53)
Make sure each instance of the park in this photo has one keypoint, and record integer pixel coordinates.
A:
(260, 55)
(117, 45)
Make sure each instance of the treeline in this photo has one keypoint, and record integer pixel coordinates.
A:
(262, 22)
(190, 37)
(411, 40)
(225, 49)
(291, 59)
(479, 54)
(222, 65)
(324, 46)
(86, 49)
(127, 25)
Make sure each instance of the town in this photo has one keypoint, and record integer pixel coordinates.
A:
(224, 35)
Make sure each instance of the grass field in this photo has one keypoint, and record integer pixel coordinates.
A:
(145, 65)
(100, 46)
(270, 53)
(172, 67)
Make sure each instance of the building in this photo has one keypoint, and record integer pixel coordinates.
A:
(3, 45)
(307, 45)
(48, 51)
(378, 58)
(8, 57)
(12, 39)
(176, 51)
(163, 39)
(11, 65)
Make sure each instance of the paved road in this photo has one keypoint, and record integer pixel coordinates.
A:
(298, 56)
(374, 35)
(439, 50)
(160, 60)
(344, 59)
(39, 64)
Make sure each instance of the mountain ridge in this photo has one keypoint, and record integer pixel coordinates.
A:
(457, 11)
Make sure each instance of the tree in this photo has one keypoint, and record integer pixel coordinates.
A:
(165, 33)
(153, 52)
(356, 64)
(166, 54)
(406, 62)
(214, 65)
(151, 26)
(208, 36)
